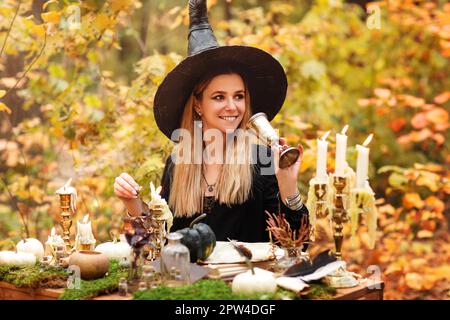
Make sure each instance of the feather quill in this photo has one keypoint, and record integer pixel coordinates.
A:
(243, 251)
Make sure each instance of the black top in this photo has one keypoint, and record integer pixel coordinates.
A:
(245, 222)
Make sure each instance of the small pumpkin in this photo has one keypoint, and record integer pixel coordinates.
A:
(118, 250)
(31, 245)
(261, 281)
(11, 258)
(199, 238)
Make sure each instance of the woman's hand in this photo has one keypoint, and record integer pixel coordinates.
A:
(125, 187)
(287, 177)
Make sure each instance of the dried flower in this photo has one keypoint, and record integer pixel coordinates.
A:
(280, 228)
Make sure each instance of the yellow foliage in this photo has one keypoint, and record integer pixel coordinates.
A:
(411, 200)
(51, 17)
(103, 21)
(4, 107)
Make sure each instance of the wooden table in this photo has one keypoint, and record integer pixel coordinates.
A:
(364, 291)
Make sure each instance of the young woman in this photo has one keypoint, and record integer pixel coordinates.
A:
(235, 181)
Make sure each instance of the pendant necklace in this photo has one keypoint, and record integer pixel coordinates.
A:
(210, 187)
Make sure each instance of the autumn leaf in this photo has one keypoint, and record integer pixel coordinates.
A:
(102, 22)
(442, 98)
(419, 121)
(428, 179)
(435, 203)
(4, 108)
(397, 124)
(46, 4)
(51, 17)
(118, 5)
(382, 93)
(419, 282)
(439, 138)
(411, 200)
(39, 30)
(437, 115)
(364, 102)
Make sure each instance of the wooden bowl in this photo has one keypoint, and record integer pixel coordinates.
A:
(92, 264)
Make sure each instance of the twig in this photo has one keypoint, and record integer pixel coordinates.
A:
(29, 67)
(22, 217)
(10, 27)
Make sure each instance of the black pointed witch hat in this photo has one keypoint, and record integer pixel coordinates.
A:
(265, 77)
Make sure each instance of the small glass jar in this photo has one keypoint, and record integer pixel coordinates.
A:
(175, 262)
(60, 253)
(292, 255)
(150, 276)
(123, 287)
(142, 286)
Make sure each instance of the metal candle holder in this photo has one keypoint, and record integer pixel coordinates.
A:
(320, 191)
(66, 223)
(156, 212)
(260, 123)
(341, 278)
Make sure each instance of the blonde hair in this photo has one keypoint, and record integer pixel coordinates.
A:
(234, 183)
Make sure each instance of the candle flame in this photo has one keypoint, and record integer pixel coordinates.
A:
(344, 130)
(67, 184)
(325, 135)
(53, 232)
(367, 141)
(86, 218)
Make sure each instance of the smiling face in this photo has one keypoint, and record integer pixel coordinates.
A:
(222, 103)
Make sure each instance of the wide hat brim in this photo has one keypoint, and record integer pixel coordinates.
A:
(266, 81)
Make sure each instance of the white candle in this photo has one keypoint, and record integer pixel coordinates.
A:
(67, 188)
(341, 149)
(321, 164)
(362, 163)
(85, 228)
(155, 193)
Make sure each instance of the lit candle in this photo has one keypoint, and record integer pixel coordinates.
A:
(362, 163)
(66, 188)
(84, 228)
(341, 149)
(321, 164)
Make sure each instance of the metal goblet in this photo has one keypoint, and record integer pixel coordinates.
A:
(260, 123)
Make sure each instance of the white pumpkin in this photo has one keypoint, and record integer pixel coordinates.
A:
(31, 245)
(117, 250)
(10, 258)
(262, 281)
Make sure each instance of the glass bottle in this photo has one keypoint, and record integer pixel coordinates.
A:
(175, 262)
(292, 255)
(142, 286)
(123, 287)
(150, 276)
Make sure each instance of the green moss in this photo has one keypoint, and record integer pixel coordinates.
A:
(37, 276)
(92, 288)
(40, 276)
(320, 291)
(206, 290)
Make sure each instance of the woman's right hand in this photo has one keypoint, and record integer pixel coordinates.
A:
(125, 187)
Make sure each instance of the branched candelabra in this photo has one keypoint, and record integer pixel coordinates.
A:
(327, 200)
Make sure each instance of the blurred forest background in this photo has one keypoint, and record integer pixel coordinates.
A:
(77, 79)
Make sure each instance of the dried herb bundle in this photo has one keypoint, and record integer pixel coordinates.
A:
(280, 228)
